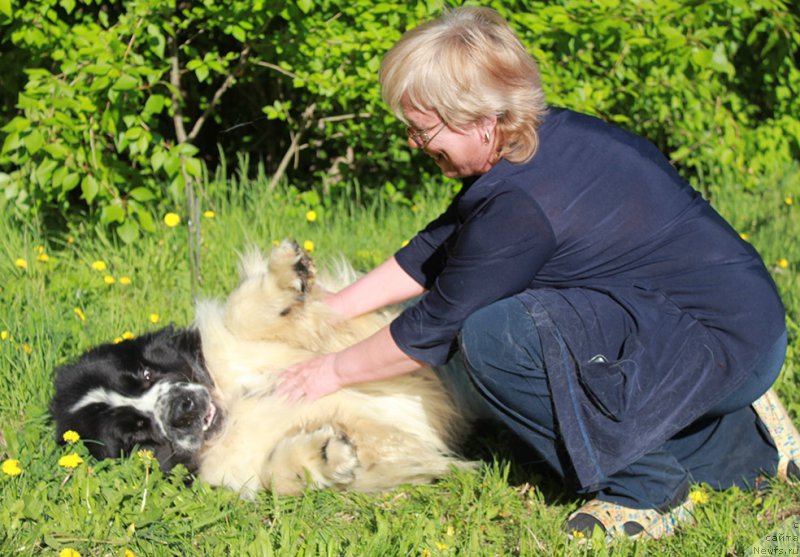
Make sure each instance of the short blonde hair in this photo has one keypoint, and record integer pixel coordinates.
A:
(468, 65)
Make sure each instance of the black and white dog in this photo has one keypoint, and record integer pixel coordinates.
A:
(203, 396)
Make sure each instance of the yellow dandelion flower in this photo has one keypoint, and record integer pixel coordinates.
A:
(127, 335)
(451, 531)
(155, 318)
(117, 340)
(125, 281)
(26, 348)
(71, 436)
(39, 249)
(209, 214)
(308, 245)
(783, 263)
(99, 265)
(70, 240)
(145, 455)
(4, 335)
(311, 216)
(441, 546)
(71, 460)
(172, 219)
(80, 314)
(276, 242)
(11, 467)
(699, 497)
(68, 552)
(108, 279)
(788, 200)
(21, 264)
(129, 553)
(43, 257)
(405, 243)
(744, 236)
(577, 535)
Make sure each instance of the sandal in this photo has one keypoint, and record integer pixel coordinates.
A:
(617, 521)
(784, 434)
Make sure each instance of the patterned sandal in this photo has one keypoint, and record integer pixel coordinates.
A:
(623, 522)
(784, 434)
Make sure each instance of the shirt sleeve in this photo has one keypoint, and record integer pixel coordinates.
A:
(493, 253)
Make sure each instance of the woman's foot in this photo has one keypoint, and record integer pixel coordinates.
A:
(784, 434)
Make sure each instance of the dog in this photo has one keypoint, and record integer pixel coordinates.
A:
(204, 396)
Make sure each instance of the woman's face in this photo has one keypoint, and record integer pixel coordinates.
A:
(458, 154)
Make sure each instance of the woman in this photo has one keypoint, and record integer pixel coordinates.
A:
(604, 311)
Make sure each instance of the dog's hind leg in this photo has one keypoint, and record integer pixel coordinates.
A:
(319, 458)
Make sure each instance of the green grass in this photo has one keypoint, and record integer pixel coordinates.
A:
(507, 507)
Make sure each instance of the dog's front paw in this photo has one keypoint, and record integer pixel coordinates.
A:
(292, 267)
(340, 458)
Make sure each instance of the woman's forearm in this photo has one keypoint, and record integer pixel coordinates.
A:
(385, 285)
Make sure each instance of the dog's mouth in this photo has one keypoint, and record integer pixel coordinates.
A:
(209, 418)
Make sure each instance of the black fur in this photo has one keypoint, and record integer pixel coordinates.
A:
(130, 369)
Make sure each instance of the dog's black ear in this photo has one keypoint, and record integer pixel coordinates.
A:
(170, 347)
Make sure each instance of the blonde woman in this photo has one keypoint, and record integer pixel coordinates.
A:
(603, 310)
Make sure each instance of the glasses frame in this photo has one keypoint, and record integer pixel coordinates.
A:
(421, 137)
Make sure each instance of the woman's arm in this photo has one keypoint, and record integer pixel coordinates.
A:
(376, 357)
(385, 285)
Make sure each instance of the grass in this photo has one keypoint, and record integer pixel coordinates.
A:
(53, 309)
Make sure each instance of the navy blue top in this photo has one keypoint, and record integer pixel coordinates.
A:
(598, 233)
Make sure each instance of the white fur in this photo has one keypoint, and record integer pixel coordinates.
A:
(368, 437)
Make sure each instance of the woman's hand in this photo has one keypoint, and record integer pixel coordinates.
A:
(309, 380)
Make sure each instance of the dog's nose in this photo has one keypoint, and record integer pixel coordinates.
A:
(184, 412)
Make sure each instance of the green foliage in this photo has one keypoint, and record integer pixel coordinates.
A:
(112, 109)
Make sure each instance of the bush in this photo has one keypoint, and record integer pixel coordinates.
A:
(119, 106)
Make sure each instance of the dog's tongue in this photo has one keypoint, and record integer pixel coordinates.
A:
(208, 419)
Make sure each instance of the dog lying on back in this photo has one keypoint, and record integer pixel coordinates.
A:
(204, 396)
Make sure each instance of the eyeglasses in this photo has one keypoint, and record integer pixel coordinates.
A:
(422, 137)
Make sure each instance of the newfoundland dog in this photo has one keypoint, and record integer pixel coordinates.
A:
(204, 396)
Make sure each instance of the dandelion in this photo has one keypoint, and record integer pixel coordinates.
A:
(70, 240)
(172, 219)
(578, 535)
(108, 279)
(71, 436)
(308, 245)
(209, 214)
(145, 455)
(155, 318)
(26, 348)
(71, 460)
(744, 236)
(39, 249)
(117, 340)
(699, 497)
(21, 264)
(311, 216)
(68, 552)
(405, 243)
(99, 265)
(43, 258)
(788, 200)
(129, 553)
(127, 335)
(80, 314)
(125, 281)
(11, 467)
(783, 263)
(4, 335)
(441, 546)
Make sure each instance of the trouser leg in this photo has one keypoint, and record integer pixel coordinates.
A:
(502, 354)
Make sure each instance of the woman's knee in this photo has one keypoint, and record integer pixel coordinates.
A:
(500, 337)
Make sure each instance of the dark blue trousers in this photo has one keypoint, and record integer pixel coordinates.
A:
(503, 377)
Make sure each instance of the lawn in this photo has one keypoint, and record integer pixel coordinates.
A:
(62, 293)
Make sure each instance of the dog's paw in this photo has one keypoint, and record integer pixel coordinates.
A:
(292, 267)
(340, 458)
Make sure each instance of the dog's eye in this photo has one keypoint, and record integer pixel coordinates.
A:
(147, 376)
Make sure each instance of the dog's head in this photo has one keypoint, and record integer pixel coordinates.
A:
(151, 392)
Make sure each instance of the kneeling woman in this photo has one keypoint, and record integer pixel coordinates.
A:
(605, 312)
